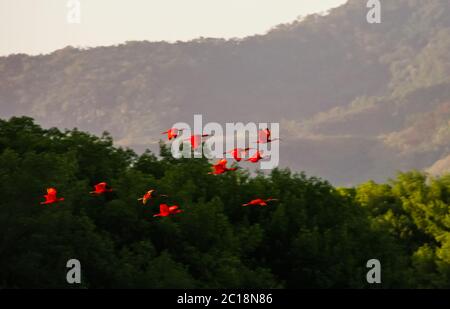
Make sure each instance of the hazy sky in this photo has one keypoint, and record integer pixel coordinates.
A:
(40, 26)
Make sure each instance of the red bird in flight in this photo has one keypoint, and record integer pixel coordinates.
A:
(259, 202)
(172, 133)
(237, 152)
(221, 168)
(100, 189)
(256, 157)
(196, 140)
(165, 210)
(51, 197)
(149, 195)
(264, 137)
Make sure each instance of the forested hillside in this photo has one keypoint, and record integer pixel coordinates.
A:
(356, 101)
(315, 235)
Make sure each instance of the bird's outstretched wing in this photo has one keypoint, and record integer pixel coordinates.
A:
(263, 136)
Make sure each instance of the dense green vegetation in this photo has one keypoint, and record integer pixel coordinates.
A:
(316, 236)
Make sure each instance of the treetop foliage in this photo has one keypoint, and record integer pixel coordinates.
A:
(315, 236)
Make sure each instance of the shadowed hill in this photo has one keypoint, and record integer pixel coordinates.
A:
(345, 92)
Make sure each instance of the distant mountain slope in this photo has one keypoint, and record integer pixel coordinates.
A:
(350, 96)
(440, 167)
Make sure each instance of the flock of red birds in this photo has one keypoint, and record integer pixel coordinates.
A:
(264, 137)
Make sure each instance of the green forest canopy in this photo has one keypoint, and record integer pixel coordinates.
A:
(315, 236)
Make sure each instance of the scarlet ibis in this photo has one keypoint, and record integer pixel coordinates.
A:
(100, 188)
(165, 210)
(149, 195)
(264, 137)
(221, 167)
(236, 153)
(256, 157)
(196, 140)
(51, 197)
(259, 202)
(172, 133)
